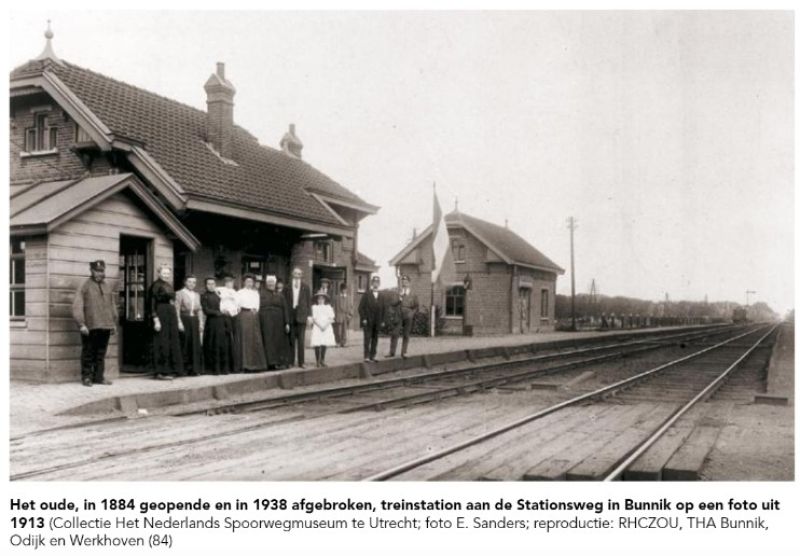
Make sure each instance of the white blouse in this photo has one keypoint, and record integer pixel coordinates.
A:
(247, 299)
(227, 301)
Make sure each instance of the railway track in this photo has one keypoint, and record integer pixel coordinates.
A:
(697, 383)
(437, 385)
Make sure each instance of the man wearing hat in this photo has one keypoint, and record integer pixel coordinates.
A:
(95, 312)
(370, 312)
(407, 306)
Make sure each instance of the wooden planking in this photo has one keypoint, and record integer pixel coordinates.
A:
(27, 349)
(649, 466)
(603, 460)
(686, 463)
(31, 352)
(57, 265)
(558, 457)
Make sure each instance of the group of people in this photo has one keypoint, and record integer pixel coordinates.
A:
(224, 330)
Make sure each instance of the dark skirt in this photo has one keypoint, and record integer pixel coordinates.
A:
(218, 345)
(167, 356)
(191, 346)
(251, 347)
(277, 349)
(236, 344)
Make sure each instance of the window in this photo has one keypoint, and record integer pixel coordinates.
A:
(133, 267)
(17, 267)
(454, 302)
(323, 251)
(362, 283)
(459, 251)
(257, 266)
(545, 312)
(41, 137)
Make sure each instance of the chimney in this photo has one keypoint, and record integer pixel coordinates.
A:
(291, 143)
(219, 116)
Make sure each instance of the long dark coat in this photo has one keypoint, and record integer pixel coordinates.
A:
(274, 314)
(167, 354)
(218, 341)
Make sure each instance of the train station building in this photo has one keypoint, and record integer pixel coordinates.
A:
(502, 283)
(101, 169)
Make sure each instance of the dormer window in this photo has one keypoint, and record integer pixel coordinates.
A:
(42, 137)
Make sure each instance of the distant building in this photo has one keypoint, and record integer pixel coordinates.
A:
(104, 170)
(513, 285)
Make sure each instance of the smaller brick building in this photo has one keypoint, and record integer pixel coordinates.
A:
(512, 284)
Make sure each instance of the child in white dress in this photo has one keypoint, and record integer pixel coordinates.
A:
(322, 330)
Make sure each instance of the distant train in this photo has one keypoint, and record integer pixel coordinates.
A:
(739, 315)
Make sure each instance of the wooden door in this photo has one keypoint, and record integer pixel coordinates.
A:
(135, 256)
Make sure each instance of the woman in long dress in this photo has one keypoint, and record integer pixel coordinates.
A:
(273, 312)
(230, 310)
(322, 336)
(217, 333)
(187, 307)
(167, 355)
(251, 344)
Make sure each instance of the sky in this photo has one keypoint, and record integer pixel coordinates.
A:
(669, 136)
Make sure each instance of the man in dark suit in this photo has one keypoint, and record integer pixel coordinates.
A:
(407, 307)
(298, 298)
(370, 312)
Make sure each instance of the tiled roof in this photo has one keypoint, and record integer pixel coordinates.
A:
(507, 244)
(174, 135)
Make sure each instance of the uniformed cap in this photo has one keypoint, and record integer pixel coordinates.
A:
(99, 265)
(375, 278)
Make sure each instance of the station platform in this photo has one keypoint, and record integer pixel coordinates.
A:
(780, 373)
(41, 406)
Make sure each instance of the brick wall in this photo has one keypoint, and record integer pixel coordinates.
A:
(61, 164)
(493, 303)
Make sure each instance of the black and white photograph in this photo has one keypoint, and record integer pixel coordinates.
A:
(419, 246)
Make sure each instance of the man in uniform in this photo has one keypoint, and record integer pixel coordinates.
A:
(370, 313)
(298, 297)
(95, 312)
(408, 305)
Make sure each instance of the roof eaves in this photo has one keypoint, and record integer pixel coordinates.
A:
(411, 246)
(327, 207)
(349, 203)
(52, 85)
(215, 206)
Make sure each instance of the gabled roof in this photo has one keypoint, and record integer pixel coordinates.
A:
(507, 245)
(364, 263)
(41, 207)
(173, 135)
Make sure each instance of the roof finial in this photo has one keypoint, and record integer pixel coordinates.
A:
(48, 53)
(456, 204)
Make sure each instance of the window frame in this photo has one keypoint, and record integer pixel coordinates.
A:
(456, 309)
(459, 250)
(41, 138)
(361, 288)
(15, 259)
(323, 251)
(544, 304)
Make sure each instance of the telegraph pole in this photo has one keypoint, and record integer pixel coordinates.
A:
(571, 224)
(747, 294)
